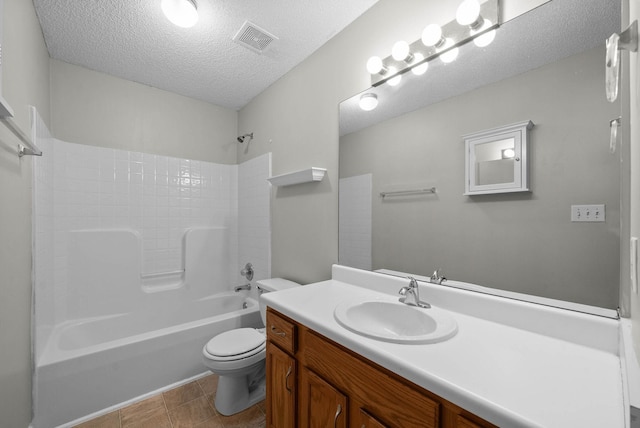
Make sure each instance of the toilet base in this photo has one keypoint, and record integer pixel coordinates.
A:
(235, 394)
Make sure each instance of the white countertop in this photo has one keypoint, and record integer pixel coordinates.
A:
(510, 376)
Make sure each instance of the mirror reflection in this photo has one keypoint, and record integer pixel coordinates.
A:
(523, 242)
(494, 162)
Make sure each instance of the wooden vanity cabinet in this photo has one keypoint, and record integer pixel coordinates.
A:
(282, 372)
(313, 382)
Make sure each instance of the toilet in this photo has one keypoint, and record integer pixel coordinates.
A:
(238, 358)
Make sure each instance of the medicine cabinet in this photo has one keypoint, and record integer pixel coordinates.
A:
(496, 160)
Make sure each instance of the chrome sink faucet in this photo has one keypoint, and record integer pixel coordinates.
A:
(411, 295)
(437, 277)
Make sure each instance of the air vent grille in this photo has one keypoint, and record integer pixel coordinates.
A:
(253, 37)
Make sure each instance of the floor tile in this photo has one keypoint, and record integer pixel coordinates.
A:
(149, 409)
(158, 419)
(183, 394)
(250, 418)
(213, 422)
(209, 384)
(191, 413)
(110, 420)
(191, 405)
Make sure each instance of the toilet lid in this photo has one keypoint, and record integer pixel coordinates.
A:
(235, 342)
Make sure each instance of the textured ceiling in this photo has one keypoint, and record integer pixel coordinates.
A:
(133, 40)
(553, 31)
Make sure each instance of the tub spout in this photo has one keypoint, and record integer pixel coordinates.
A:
(242, 287)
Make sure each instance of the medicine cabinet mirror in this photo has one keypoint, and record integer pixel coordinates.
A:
(496, 160)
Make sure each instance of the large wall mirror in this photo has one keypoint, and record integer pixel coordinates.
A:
(545, 66)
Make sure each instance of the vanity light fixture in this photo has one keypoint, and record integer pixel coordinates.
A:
(401, 52)
(468, 13)
(449, 52)
(486, 38)
(368, 101)
(432, 36)
(375, 66)
(474, 21)
(397, 77)
(419, 70)
(183, 13)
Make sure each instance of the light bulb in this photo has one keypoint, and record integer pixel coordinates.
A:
(450, 55)
(183, 13)
(419, 70)
(485, 39)
(368, 102)
(468, 12)
(508, 153)
(400, 51)
(432, 35)
(394, 81)
(375, 65)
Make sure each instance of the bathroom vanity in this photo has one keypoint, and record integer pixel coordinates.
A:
(337, 387)
(511, 363)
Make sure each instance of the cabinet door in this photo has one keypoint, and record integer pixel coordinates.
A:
(321, 405)
(367, 421)
(281, 388)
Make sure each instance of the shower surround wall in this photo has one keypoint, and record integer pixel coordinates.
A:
(89, 200)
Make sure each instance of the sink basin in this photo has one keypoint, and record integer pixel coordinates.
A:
(396, 322)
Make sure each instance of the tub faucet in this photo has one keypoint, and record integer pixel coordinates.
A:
(242, 287)
(411, 295)
(437, 277)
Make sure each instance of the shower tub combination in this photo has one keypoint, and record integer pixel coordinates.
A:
(94, 364)
(126, 334)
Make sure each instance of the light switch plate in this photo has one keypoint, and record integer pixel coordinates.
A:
(587, 213)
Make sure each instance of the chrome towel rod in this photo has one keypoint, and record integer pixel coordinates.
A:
(408, 192)
(26, 146)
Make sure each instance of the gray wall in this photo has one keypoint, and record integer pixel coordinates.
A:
(89, 107)
(297, 119)
(25, 81)
(521, 242)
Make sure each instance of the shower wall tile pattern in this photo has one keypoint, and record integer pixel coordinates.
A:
(158, 196)
(355, 221)
(80, 187)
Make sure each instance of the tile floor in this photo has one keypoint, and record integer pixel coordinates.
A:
(189, 405)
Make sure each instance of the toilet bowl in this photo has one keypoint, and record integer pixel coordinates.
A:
(238, 357)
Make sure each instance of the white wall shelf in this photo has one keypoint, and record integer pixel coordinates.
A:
(303, 176)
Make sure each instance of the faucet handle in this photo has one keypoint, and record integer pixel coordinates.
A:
(437, 277)
(247, 272)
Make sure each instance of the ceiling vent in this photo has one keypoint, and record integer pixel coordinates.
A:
(253, 37)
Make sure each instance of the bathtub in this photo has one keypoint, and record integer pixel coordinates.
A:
(93, 364)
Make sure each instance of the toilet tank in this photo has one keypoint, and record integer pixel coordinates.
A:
(270, 285)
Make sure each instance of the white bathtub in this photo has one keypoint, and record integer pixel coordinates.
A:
(92, 364)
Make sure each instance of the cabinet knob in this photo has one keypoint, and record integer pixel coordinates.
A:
(279, 333)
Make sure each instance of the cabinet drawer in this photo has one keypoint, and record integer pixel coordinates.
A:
(281, 331)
